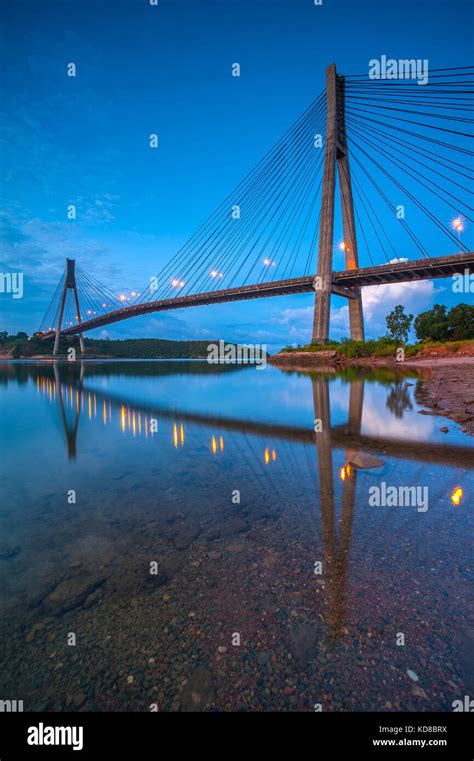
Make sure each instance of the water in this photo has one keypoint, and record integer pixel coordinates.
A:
(176, 536)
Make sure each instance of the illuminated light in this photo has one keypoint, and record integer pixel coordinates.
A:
(133, 293)
(95, 406)
(175, 435)
(104, 414)
(177, 283)
(214, 273)
(221, 443)
(181, 434)
(274, 455)
(122, 297)
(122, 418)
(128, 417)
(213, 445)
(104, 306)
(266, 456)
(342, 246)
(269, 263)
(134, 427)
(146, 427)
(456, 496)
(110, 411)
(89, 406)
(89, 311)
(139, 423)
(345, 472)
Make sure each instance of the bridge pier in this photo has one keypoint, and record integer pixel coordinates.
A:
(69, 284)
(336, 155)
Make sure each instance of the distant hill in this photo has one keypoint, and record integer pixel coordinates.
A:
(146, 348)
(19, 345)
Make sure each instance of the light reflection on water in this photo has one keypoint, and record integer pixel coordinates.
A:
(223, 477)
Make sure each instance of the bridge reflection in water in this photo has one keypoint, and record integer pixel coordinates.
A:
(68, 388)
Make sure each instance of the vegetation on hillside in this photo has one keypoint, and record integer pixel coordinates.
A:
(435, 328)
(138, 348)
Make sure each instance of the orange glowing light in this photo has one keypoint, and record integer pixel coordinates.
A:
(345, 472)
(122, 418)
(181, 434)
(175, 435)
(266, 456)
(274, 455)
(221, 443)
(122, 297)
(213, 445)
(456, 496)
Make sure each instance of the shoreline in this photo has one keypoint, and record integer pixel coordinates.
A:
(446, 383)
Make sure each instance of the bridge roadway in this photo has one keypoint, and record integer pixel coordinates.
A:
(342, 284)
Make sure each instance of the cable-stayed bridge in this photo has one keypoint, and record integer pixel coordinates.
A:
(396, 154)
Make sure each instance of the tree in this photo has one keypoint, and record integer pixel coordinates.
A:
(461, 322)
(398, 324)
(432, 325)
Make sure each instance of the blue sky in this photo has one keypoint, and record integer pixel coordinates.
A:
(167, 69)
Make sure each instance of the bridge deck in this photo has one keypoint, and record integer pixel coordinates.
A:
(342, 284)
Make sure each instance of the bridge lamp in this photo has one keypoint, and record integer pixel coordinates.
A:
(214, 273)
(458, 225)
(269, 263)
(122, 297)
(345, 472)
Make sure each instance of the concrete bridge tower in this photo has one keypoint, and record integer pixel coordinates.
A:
(69, 285)
(335, 157)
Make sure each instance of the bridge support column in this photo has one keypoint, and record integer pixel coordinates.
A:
(69, 284)
(322, 283)
(356, 319)
(335, 154)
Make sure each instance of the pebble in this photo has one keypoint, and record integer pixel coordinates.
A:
(222, 649)
(130, 679)
(412, 675)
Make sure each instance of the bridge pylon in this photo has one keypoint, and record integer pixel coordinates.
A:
(336, 158)
(69, 285)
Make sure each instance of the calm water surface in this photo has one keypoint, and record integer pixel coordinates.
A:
(177, 536)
